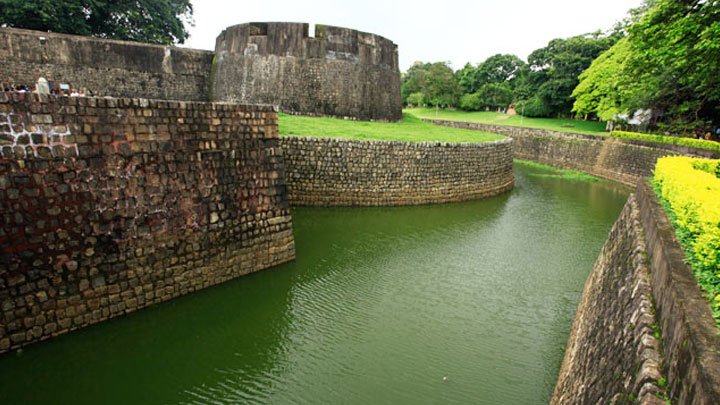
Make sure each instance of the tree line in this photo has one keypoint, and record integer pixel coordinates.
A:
(662, 60)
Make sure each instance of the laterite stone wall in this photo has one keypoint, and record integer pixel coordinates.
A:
(612, 355)
(105, 67)
(111, 205)
(622, 160)
(338, 71)
(339, 172)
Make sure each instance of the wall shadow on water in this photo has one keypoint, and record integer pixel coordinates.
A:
(380, 305)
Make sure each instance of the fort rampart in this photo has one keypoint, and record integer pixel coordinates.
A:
(622, 160)
(105, 67)
(338, 72)
(339, 172)
(111, 205)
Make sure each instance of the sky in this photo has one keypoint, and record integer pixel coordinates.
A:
(457, 31)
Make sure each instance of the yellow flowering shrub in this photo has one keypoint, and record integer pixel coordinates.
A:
(689, 188)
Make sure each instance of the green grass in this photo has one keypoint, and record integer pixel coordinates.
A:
(410, 129)
(494, 118)
(553, 172)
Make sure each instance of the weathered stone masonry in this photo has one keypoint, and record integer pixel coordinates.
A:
(339, 172)
(339, 72)
(612, 355)
(105, 67)
(622, 160)
(111, 205)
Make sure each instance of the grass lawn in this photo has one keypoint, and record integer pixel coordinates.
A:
(494, 118)
(410, 129)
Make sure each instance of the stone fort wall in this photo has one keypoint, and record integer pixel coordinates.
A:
(643, 331)
(105, 67)
(111, 205)
(622, 160)
(339, 172)
(338, 72)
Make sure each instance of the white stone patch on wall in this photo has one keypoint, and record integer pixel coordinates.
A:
(41, 134)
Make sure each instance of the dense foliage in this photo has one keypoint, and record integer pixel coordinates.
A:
(541, 88)
(690, 190)
(552, 73)
(152, 21)
(669, 63)
(430, 83)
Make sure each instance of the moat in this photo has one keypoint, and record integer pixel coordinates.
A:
(468, 302)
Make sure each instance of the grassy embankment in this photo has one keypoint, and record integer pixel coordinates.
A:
(557, 124)
(410, 129)
(494, 118)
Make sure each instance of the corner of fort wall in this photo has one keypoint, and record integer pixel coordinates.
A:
(111, 205)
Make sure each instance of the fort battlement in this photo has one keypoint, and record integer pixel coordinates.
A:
(294, 40)
(337, 72)
(348, 73)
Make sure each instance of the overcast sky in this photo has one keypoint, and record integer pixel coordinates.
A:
(457, 31)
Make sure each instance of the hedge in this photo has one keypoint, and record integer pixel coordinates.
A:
(673, 140)
(689, 188)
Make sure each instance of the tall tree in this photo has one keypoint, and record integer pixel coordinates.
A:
(441, 86)
(152, 21)
(670, 64)
(553, 71)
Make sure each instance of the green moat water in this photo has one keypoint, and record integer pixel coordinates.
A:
(457, 303)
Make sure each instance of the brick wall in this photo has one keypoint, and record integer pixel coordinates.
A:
(111, 205)
(338, 172)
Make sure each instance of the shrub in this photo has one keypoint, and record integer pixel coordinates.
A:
(673, 140)
(533, 107)
(416, 99)
(689, 188)
(471, 102)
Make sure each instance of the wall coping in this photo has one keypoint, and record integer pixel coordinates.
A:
(691, 340)
(58, 35)
(685, 150)
(13, 96)
(392, 142)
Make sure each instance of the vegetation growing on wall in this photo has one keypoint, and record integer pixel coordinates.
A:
(689, 188)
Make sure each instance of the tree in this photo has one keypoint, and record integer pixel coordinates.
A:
(601, 90)
(413, 81)
(553, 71)
(152, 21)
(441, 87)
(669, 63)
(416, 99)
(498, 68)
